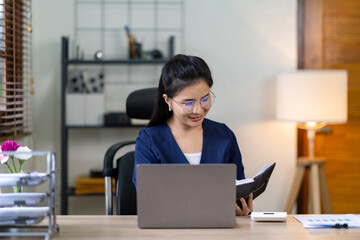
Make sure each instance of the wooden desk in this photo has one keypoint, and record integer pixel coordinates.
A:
(125, 227)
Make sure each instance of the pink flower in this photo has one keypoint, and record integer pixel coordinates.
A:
(21, 153)
(10, 146)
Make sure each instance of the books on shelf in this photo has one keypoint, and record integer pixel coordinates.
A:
(90, 185)
(255, 185)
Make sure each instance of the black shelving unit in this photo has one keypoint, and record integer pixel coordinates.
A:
(67, 191)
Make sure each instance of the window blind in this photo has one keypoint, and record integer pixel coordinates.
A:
(15, 69)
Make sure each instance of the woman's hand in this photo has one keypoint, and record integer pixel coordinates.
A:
(247, 208)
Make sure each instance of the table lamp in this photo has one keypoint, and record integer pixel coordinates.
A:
(312, 98)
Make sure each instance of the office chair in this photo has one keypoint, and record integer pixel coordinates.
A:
(139, 105)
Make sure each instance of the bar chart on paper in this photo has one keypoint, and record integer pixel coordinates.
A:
(330, 220)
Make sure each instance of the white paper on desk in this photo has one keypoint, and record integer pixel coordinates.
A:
(11, 199)
(329, 220)
(22, 221)
(14, 213)
(13, 179)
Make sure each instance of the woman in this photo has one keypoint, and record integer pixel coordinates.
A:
(178, 131)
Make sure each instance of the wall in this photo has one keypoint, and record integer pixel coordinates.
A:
(246, 44)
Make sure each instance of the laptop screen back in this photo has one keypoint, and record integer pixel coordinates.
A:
(186, 196)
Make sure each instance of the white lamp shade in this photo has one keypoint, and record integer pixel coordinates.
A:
(312, 95)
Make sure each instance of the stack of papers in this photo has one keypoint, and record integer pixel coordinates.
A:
(16, 179)
(11, 199)
(22, 215)
(13, 206)
(329, 221)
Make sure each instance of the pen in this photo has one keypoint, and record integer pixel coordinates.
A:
(337, 225)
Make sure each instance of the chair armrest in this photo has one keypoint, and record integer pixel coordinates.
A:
(109, 157)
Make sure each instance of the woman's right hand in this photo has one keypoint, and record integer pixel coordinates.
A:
(247, 208)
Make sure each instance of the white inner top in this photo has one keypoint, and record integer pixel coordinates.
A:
(193, 158)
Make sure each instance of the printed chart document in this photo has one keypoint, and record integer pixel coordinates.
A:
(330, 221)
(255, 185)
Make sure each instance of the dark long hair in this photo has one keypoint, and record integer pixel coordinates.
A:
(178, 73)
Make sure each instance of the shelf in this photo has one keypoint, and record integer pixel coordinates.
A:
(117, 61)
(66, 190)
(114, 54)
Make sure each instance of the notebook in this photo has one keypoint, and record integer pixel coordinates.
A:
(186, 196)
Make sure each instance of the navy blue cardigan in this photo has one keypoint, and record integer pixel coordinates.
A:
(157, 145)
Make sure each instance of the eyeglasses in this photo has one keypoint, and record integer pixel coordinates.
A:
(206, 103)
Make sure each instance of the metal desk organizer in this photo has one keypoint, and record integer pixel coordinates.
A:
(16, 219)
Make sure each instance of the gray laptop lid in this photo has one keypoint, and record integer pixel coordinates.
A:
(186, 196)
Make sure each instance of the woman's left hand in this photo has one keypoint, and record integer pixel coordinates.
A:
(247, 208)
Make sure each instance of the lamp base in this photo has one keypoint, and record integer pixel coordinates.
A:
(318, 185)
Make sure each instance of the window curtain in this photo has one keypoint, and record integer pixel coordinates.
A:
(16, 82)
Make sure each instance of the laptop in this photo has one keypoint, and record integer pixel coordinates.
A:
(186, 196)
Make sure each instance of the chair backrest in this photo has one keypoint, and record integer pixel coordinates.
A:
(125, 189)
(140, 103)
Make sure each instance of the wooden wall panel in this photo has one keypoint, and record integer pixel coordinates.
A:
(343, 28)
(341, 39)
(341, 148)
(339, 48)
(341, 7)
(341, 52)
(312, 34)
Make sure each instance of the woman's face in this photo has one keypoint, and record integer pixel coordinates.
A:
(187, 105)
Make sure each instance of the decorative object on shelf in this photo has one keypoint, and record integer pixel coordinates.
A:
(115, 119)
(75, 82)
(134, 46)
(156, 54)
(312, 98)
(94, 81)
(80, 81)
(98, 55)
